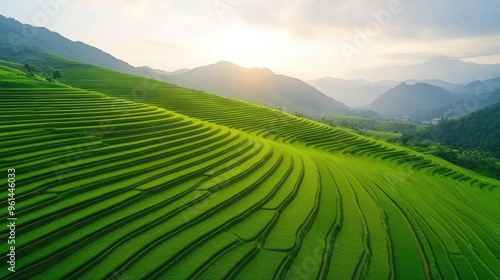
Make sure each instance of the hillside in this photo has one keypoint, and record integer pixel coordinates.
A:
(130, 177)
(259, 86)
(14, 44)
(480, 87)
(462, 107)
(406, 99)
(452, 87)
(479, 130)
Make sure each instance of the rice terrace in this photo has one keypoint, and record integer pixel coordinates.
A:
(122, 176)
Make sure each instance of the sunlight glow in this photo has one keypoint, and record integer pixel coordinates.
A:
(246, 46)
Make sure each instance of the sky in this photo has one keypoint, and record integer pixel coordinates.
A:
(307, 39)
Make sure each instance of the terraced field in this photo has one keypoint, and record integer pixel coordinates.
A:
(121, 177)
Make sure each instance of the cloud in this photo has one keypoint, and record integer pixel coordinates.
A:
(422, 18)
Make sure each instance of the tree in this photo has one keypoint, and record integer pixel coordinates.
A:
(57, 74)
(52, 74)
(32, 70)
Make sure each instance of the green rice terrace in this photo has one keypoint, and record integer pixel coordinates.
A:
(122, 177)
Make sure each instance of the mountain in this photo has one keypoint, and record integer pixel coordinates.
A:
(354, 93)
(260, 86)
(479, 87)
(13, 42)
(359, 93)
(452, 87)
(460, 108)
(406, 99)
(454, 71)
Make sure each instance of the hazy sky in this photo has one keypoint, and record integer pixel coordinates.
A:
(302, 38)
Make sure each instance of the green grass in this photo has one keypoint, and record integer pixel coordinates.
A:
(120, 175)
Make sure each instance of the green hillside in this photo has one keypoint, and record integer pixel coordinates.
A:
(479, 130)
(121, 177)
(13, 38)
(470, 141)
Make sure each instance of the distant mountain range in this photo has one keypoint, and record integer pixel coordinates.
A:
(419, 97)
(359, 93)
(454, 71)
(479, 87)
(260, 86)
(354, 93)
(425, 101)
(406, 99)
(476, 96)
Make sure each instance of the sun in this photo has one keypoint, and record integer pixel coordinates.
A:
(246, 46)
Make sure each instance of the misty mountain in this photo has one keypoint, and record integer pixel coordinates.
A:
(460, 108)
(452, 87)
(354, 93)
(406, 99)
(260, 86)
(14, 42)
(359, 93)
(479, 87)
(454, 71)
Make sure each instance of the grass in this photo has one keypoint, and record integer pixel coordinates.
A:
(121, 175)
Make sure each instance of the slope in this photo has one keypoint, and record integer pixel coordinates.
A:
(405, 99)
(485, 97)
(260, 86)
(481, 87)
(148, 180)
(227, 79)
(17, 38)
(479, 130)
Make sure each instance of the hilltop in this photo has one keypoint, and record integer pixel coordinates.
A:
(259, 86)
(406, 99)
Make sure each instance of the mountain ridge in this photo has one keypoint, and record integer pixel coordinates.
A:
(450, 70)
(259, 85)
(406, 99)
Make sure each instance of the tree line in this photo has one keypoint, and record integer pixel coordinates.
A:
(49, 73)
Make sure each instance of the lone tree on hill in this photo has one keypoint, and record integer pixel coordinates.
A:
(32, 70)
(57, 74)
